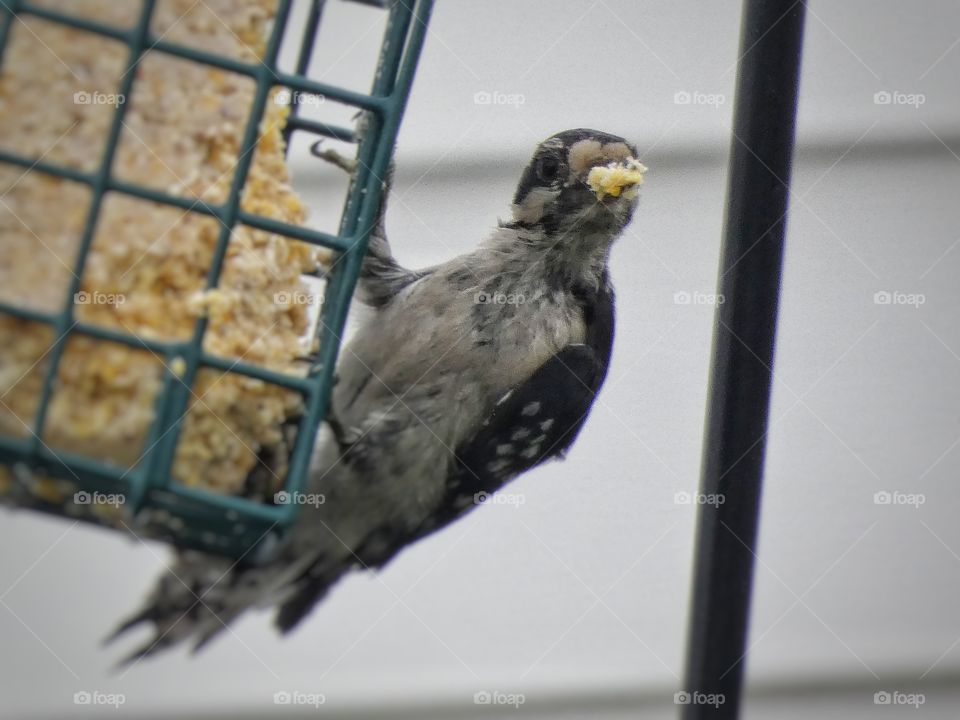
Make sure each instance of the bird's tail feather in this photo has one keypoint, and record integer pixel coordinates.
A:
(198, 597)
(194, 599)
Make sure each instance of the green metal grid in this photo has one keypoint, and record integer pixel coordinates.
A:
(206, 520)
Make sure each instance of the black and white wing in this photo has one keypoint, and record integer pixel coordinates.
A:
(539, 419)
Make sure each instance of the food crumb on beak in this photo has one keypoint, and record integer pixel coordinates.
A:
(617, 178)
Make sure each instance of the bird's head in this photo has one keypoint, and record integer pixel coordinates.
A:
(580, 183)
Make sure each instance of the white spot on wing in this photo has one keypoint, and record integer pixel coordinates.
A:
(530, 409)
(463, 501)
(498, 465)
(531, 452)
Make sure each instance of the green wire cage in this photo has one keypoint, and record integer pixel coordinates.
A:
(193, 517)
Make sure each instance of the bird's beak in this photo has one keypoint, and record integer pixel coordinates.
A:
(617, 179)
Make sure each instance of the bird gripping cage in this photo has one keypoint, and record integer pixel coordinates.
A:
(206, 520)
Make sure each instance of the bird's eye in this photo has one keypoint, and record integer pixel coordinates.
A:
(549, 169)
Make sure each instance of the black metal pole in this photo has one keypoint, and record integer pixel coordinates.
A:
(739, 395)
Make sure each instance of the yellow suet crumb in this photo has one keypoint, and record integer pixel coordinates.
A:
(617, 178)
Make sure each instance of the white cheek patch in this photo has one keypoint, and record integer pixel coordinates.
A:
(586, 153)
(532, 208)
(582, 155)
(615, 152)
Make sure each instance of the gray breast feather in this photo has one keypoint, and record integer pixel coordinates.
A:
(460, 338)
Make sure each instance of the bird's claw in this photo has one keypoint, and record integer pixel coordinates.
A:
(348, 165)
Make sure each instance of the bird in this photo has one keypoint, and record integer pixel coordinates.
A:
(465, 375)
